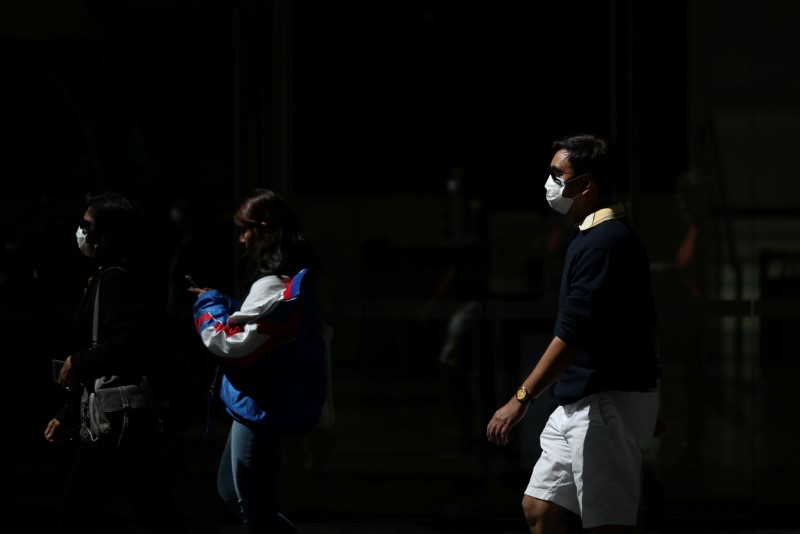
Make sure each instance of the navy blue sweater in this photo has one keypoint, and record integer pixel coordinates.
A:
(606, 310)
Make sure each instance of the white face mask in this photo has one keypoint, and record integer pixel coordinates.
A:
(86, 248)
(555, 198)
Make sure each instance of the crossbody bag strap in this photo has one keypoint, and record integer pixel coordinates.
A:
(96, 311)
(212, 392)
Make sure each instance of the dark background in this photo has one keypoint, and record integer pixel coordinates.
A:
(413, 136)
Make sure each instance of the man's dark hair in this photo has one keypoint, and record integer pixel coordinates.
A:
(589, 153)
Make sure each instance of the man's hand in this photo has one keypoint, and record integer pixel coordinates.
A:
(504, 420)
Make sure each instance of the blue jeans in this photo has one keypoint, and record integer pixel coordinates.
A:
(248, 477)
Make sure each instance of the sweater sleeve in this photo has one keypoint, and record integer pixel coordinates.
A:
(579, 304)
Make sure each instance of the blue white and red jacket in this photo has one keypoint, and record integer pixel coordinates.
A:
(270, 350)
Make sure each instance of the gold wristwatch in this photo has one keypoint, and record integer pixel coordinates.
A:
(523, 396)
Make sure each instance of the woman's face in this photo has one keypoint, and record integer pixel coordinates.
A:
(89, 226)
(247, 237)
(250, 235)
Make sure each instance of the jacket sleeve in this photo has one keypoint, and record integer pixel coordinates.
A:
(242, 336)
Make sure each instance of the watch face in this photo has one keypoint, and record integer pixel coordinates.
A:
(522, 394)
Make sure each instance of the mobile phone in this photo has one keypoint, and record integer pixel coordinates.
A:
(191, 281)
(57, 365)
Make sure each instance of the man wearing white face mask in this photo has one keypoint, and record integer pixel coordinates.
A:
(555, 190)
(602, 358)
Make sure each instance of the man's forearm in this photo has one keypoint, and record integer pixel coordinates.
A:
(555, 360)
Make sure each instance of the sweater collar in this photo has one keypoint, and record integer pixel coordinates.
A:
(614, 211)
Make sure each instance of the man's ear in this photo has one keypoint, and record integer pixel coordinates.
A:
(589, 182)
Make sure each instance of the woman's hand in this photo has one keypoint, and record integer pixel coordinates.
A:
(56, 432)
(67, 378)
(198, 290)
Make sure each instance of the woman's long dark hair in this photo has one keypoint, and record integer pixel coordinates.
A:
(282, 248)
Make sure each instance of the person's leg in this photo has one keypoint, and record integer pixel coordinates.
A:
(256, 458)
(225, 483)
(551, 490)
(149, 488)
(543, 517)
(605, 433)
(81, 489)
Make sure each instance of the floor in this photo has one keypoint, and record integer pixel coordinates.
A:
(388, 466)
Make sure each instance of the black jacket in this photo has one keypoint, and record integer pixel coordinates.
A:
(122, 331)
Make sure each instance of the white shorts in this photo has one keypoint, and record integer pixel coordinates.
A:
(591, 456)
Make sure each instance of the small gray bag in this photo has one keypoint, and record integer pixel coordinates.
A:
(111, 410)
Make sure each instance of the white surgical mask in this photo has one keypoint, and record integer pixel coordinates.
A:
(87, 248)
(555, 198)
